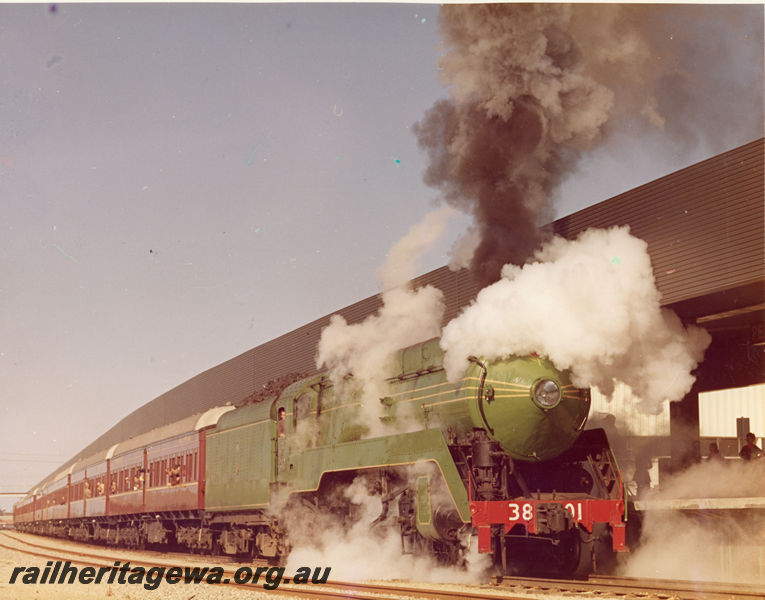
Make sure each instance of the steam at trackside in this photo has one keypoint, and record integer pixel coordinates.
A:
(348, 544)
(696, 554)
(591, 306)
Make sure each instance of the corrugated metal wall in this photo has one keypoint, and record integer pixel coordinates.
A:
(703, 225)
(719, 410)
(704, 228)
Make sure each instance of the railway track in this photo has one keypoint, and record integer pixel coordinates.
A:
(505, 588)
(620, 587)
(329, 590)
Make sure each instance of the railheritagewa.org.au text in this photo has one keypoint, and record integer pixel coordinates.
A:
(62, 573)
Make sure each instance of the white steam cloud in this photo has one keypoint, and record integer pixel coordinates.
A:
(676, 544)
(591, 306)
(403, 259)
(323, 539)
(406, 317)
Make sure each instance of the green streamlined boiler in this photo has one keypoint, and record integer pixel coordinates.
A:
(531, 409)
(500, 454)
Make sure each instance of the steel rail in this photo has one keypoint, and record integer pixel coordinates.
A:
(615, 586)
(632, 586)
(331, 589)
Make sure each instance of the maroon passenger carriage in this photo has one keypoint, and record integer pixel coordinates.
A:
(52, 504)
(23, 511)
(142, 490)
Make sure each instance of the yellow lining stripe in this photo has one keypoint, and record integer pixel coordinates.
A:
(426, 396)
(503, 388)
(448, 401)
(422, 389)
(509, 384)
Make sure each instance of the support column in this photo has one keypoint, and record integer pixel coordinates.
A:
(684, 431)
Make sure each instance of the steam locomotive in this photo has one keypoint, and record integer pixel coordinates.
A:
(501, 455)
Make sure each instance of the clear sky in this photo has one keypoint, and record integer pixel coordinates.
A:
(180, 183)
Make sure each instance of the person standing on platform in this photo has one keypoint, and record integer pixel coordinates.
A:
(750, 451)
(714, 453)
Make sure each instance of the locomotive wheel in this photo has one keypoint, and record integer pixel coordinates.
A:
(574, 554)
(567, 556)
(605, 557)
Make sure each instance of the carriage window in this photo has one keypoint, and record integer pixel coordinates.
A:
(175, 470)
(281, 423)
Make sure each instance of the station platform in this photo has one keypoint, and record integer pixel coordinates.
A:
(699, 504)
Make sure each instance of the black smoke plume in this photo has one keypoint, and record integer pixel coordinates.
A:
(534, 86)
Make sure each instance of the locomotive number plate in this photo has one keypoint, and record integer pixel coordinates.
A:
(575, 508)
(523, 511)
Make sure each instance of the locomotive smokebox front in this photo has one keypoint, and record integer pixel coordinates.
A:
(528, 406)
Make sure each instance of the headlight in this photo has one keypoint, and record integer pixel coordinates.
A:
(546, 393)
